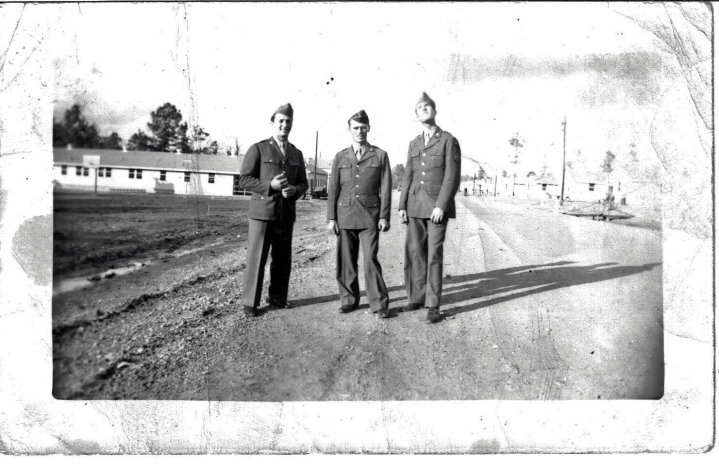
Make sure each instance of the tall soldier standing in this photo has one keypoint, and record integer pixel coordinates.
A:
(274, 170)
(430, 181)
(358, 207)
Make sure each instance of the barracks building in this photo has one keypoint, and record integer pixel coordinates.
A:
(127, 171)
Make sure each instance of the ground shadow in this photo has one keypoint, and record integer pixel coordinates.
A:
(511, 283)
(531, 281)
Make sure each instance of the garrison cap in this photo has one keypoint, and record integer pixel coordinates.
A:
(426, 99)
(285, 109)
(360, 117)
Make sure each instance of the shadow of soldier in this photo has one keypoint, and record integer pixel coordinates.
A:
(518, 282)
(507, 284)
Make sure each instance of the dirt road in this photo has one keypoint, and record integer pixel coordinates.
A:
(172, 328)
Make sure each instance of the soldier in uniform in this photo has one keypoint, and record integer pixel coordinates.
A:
(431, 179)
(274, 170)
(358, 208)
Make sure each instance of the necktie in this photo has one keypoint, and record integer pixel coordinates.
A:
(359, 153)
(426, 138)
(282, 147)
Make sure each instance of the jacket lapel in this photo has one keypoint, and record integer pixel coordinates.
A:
(369, 152)
(277, 153)
(349, 154)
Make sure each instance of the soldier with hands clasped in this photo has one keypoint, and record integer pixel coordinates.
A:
(274, 170)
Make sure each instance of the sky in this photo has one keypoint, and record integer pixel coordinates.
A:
(493, 69)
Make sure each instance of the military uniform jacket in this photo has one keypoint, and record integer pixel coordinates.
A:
(431, 175)
(261, 163)
(359, 193)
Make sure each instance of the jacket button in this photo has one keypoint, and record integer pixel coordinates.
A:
(422, 163)
(424, 154)
(421, 183)
(357, 186)
(356, 196)
(422, 173)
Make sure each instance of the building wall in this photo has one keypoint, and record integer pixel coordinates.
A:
(150, 181)
(537, 191)
(580, 191)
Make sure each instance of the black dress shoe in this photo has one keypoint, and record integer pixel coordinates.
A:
(251, 311)
(411, 307)
(383, 313)
(277, 304)
(345, 308)
(433, 315)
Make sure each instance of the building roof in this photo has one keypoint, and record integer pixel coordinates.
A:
(151, 160)
(548, 179)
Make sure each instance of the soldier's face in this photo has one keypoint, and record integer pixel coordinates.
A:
(359, 131)
(282, 125)
(425, 112)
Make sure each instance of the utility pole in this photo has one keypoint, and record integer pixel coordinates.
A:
(516, 143)
(314, 177)
(564, 158)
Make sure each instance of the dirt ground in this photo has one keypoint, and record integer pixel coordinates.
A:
(147, 305)
(142, 284)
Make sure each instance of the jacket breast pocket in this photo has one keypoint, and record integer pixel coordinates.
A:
(434, 161)
(345, 171)
(416, 164)
(291, 171)
(270, 168)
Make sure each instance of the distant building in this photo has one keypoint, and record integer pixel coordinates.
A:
(591, 186)
(317, 181)
(545, 186)
(122, 171)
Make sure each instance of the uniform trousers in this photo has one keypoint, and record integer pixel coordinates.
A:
(423, 259)
(263, 236)
(348, 243)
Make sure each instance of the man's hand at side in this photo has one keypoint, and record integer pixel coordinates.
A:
(403, 216)
(437, 215)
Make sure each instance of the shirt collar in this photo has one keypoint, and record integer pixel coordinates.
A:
(356, 147)
(279, 144)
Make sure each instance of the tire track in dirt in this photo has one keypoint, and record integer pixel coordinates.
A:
(522, 335)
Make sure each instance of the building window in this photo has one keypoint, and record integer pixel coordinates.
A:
(63, 169)
(85, 171)
(132, 173)
(100, 172)
(108, 172)
(138, 173)
(544, 187)
(78, 171)
(591, 187)
(187, 176)
(211, 178)
(163, 175)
